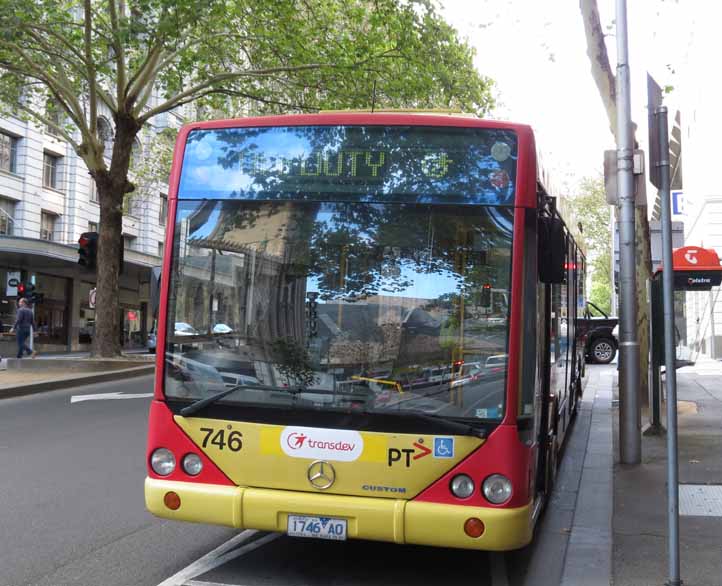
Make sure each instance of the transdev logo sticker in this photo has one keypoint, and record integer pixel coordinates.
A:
(341, 445)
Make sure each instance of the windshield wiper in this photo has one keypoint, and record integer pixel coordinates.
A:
(198, 405)
(451, 424)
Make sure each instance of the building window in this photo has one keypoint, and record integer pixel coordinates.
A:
(130, 208)
(93, 191)
(105, 135)
(161, 249)
(7, 216)
(129, 242)
(136, 154)
(47, 226)
(92, 226)
(8, 152)
(51, 171)
(54, 115)
(163, 214)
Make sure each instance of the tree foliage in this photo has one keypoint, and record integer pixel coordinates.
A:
(591, 209)
(131, 60)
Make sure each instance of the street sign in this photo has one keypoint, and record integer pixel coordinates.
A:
(91, 298)
(13, 280)
(678, 202)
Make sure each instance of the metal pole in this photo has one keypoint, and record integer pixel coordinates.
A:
(630, 440)
(712, 341)
(669, 353)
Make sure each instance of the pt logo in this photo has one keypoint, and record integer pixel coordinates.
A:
(406, 455)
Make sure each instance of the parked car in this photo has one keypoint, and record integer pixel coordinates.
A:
(495, 366)
(601, 342)
(184, 329)
(468, 373)
(222, 329)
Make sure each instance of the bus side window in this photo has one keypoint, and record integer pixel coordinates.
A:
(554, 342)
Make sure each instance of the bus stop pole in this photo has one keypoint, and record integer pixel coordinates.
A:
(669, 353)
(630, 433)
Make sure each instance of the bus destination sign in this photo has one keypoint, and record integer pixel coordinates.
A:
(355, 163)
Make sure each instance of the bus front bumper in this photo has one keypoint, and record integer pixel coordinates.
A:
(379, 519)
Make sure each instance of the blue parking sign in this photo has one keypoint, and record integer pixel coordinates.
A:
(443, 447)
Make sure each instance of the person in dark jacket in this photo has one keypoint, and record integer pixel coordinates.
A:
(24, 322)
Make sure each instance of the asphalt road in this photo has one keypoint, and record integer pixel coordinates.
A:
(72, 513)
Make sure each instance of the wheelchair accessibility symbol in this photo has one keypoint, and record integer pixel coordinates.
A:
(443, 447)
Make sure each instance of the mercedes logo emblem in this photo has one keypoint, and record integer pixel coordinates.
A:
(321, 474)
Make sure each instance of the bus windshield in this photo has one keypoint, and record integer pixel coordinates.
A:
(351, 306)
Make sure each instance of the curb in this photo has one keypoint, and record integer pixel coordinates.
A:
(588, 558)
(76, 381)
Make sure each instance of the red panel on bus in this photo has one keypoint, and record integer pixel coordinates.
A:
(501, 453)
(164, 433)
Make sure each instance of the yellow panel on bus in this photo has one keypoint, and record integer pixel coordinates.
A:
(361, 463)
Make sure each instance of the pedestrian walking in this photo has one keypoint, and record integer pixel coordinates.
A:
(24, 322)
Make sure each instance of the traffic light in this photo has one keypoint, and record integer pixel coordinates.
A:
(27, 291)
(31, 295)
(485, 298)
(88, 250)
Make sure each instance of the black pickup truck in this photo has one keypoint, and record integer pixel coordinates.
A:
(601, 343)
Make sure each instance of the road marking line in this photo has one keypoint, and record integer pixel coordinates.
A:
(200, 583)
(219, 556)
(104, 396)
(498, 570)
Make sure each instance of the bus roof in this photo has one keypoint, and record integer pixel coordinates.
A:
(360, 117)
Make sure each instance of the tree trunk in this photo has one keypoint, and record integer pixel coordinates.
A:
(106, 342)
(112, 186)
(644, 272)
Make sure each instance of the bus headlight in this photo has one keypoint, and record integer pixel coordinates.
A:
(162, 461)
(497, 489)
(462, 486)
(192, 464)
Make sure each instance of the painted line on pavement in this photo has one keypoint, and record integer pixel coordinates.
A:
(219, 556)
(105, 396)
(201, 583)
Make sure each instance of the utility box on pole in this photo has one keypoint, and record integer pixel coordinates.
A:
(610, 178)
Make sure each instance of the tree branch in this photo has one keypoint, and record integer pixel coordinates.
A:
(218, 79)
(599, 59)
(48, 122)
(90, 65)
(144, 76)
(119, 51)
(55, 86)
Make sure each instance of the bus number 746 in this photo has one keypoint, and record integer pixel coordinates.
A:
(233, 441)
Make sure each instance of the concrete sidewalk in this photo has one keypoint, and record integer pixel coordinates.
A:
(577, 521)
(640, 493)
(46, 373)
(588, 560)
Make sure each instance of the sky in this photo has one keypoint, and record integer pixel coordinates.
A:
(536, 53)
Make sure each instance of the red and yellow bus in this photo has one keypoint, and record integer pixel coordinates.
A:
(366, 330)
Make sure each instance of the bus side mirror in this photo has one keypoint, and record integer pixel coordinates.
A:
(552, 250)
